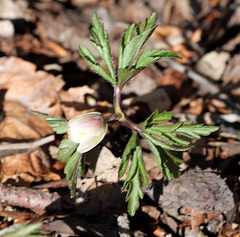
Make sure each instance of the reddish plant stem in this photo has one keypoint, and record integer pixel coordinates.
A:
(124, 120)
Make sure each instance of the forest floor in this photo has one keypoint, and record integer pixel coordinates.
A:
(41, 70)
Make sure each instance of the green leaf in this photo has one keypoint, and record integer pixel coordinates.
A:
(155, 117)
(196, 130)
(74, 165)
(162, 144)
(125, 74)
(131, 145)
(67, 148)
(142, 170)
(167, 163)
(151, 56)
(150, 21)
(126, 38)
(131, 45)
(134, 194)
(100, 42)
(58, 124)
(94, 64)
(144, 59)
(167, 136)
(136, 173)
(165, 129)
(132, 48)
(21, 230)
(72, 168)
(134, 166)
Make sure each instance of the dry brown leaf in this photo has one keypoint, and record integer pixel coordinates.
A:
(73, 102)
(107, 166)
(186, 54)
(164, 31)
(20, 123)
(23, 169)
(30, 43)
(37, 90)
(195, 106)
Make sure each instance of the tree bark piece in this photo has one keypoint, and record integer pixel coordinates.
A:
(29, 198)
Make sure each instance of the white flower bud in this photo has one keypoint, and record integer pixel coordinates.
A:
(87, 129)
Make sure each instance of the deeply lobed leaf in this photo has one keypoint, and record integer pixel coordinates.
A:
(151, 56)
(131, 145)
(196, 130)
(94, 64)
(71, 171)
(100, 42)
(134, 194)
(167, 163)
(58, 124)
(136, 173)
(131, 45)
(68, 153)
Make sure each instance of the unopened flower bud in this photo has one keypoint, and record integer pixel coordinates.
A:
(87, 129)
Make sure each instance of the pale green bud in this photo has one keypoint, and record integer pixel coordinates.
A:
(87, 129)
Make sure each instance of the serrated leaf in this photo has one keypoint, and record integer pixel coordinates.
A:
(142, 33)
(164, 145)
(131, 45)
(72, 170)
(58, 124)
(126, 38)
(134, 166)
(139, 28)
(131, 145)
(67, 148)
(164, 129)
(68, 153)
(151, 56)
(94, 64)
(167, 163)
(168, 137)
(137, 170)
(100, 42)
(150, 21)
(144, 59)
(195, 131)
(142, 170)
(134, 194)
(155, 117)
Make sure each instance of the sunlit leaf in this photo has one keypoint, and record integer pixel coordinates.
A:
(58, 124)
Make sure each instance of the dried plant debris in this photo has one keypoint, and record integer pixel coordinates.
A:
(201, 191)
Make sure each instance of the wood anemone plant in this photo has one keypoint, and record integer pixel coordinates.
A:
(87, 130)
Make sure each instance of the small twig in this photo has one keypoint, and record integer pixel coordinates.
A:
(29, 198)
(24, 147)
(205, 86)
(62, 183)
